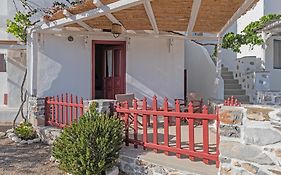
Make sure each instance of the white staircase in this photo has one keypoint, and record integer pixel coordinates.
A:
(232, 87)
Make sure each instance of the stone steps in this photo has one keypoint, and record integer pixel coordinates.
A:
(234, 92)
(227, 76)
(232, 87)
(230, 81)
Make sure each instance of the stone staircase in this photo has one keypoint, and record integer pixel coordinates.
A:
(232, 87)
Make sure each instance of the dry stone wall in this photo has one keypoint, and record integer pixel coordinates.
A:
(36, 111)
(250, 140)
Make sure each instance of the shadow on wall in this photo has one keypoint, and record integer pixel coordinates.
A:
(16, 66)
(154, 69)
(201, 71)
(142, 88)
(64, 67)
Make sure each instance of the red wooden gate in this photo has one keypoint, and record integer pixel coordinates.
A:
(62, 110)
(231, 102)
(137, 118)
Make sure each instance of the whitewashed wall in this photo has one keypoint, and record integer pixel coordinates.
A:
(3, 86)
(272, 6)
(275, 74)
(227, 56)
(16, 66)
(64, 66)
(152, 69)
(253, 15)
(201, 71)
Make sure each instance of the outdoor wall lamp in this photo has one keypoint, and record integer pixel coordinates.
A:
(70, 38)
(116, 30)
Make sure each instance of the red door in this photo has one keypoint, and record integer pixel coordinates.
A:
(114, 73)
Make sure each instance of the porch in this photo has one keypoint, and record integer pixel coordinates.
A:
(161, 136)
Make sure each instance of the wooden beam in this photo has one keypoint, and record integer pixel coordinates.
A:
(67, 14)
(150, 14)
(194, 13)
(244, 7)
(109, 16)
(110, 8)
(129, 34)
(8, 42)
(112, 18)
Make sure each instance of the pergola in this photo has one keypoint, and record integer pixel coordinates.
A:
(156, 16)
(11, 44)
(161, 18)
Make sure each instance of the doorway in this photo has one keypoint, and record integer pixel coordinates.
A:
(108, 69)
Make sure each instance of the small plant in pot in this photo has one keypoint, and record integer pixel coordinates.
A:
(91, 146)
(25, 131)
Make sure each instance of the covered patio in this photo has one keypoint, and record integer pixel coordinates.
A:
(146, 56)
(106, 20)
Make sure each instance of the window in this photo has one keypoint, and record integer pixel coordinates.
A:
(277, 54)
(2, 63)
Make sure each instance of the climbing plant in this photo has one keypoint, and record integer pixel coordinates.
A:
(22, 20)
(18, 26)
(249, 36)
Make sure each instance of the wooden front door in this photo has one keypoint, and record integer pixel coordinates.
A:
(114, 74)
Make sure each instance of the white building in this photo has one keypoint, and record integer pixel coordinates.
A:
(75, 52)
(12, 61)
(152, 59)
(258, 70)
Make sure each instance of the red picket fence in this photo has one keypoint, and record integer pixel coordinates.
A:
(137, 118)
(62, 110)
(232, 102)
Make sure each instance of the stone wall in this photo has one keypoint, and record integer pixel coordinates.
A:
(269, 97)
(250, 140)
(132, 165)
(36, 111)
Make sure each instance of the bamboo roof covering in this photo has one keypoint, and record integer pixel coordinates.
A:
(170, 15)
(213, 14)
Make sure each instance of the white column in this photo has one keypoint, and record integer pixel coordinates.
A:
(219, 80)
(264, 37)
(32, 57)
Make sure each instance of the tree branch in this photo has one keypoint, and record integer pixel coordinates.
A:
(23, 97)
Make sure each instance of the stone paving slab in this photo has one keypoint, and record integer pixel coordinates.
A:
(182, 164)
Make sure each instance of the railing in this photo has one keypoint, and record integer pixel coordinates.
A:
(63, 110)
(232, 102)
(137, 118)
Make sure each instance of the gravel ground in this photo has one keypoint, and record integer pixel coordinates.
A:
(25, 159)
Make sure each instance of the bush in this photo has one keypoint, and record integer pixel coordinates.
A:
(25, 131)
(90, 146)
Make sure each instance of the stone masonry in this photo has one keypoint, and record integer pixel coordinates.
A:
(250, 140)
(36, 111)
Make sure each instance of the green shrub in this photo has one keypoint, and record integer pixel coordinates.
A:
(25, 131)
(91, 146)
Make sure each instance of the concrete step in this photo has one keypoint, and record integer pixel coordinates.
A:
(225, 69)
(234, 92)
(230, 81)
(241, 98)
(232, 86)
(227, 76)
(226, 73)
